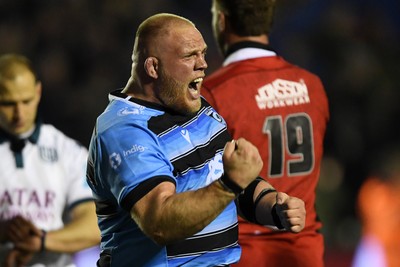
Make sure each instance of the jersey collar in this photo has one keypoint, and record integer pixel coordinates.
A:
(33, 138)
(17, 144)
(247, 50)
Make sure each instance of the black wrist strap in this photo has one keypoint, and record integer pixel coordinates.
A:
(43, 241)
(264, 192)
(245, 201)
(275, 217)
(229, 185)
(274, 212)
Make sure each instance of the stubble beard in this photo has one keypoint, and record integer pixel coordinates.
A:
(173, 95)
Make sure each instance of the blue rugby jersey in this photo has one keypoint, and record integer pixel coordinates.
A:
(137, 144)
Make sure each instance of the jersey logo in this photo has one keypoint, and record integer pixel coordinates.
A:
(185, 134)
(48, 154)
(129, 111)
(135, 148)
(215, 169)
(37, 205)
(282, 93)
(115, 160)
(214, 115)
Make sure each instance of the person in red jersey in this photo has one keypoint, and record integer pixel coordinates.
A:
(283, 110)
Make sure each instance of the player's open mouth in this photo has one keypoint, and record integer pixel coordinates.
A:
(195, 84)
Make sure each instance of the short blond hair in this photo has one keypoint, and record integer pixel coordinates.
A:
(13, 64)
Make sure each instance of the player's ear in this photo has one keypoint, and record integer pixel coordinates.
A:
(151, 67)
(221, 21)
(38, 88)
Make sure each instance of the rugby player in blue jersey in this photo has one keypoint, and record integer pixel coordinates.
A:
(167, 179)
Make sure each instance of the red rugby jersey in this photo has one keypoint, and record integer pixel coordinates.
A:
(283, 110)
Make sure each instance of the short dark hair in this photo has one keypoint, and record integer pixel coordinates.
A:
(248, 17)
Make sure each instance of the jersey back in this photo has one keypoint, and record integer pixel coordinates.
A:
(283, 110)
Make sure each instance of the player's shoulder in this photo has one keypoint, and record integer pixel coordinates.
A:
(224, 74)
(51, 131)
(300, 69)
(51, 135)
(241, 68)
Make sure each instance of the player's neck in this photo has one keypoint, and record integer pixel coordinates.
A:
(233, 39)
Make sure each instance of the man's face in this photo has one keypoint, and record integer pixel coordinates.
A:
(19, 100)
(181, 69)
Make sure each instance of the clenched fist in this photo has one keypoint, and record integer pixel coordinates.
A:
(242, 162)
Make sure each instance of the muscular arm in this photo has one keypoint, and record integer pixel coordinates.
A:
(166, 216)
(82, 232)
(290, 210)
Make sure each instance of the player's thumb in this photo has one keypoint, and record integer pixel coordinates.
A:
(280, 198)
(277, 214)
(229, 149)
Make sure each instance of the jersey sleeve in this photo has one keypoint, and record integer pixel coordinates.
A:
(131, 156)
